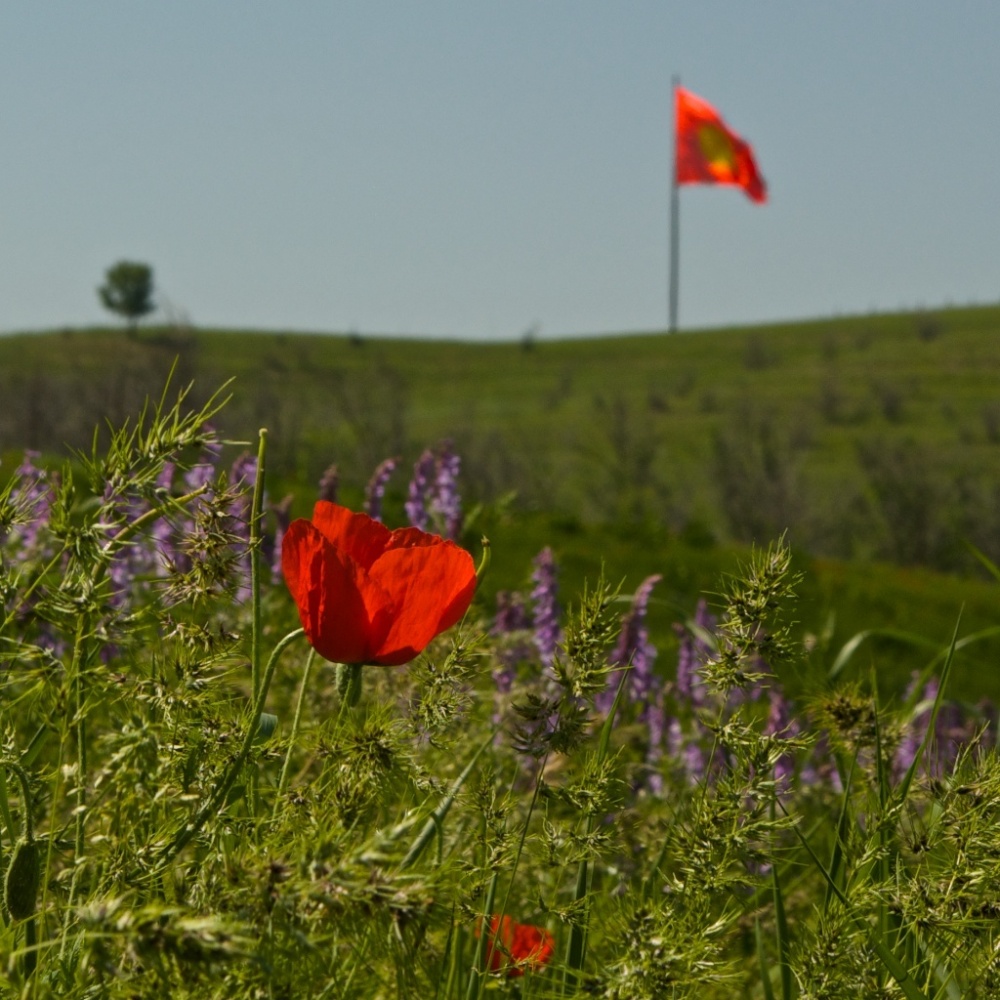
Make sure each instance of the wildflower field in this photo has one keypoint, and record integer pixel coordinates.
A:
(251, 755)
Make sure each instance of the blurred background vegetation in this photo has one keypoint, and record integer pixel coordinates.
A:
(872, 441)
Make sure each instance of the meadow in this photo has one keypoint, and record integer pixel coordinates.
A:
(870, 442)
(591, 782)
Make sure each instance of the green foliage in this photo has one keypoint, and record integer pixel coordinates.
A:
(210, 818)
(128, 291)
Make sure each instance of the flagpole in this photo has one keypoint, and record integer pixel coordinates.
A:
(675, 224)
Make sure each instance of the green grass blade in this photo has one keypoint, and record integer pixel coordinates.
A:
(481, 961)
(576, 949)
(843, 822)
(765, 972)
(433, 825)
(256, 518)
(649, 885)
(523, 838)
(937, 662)
(446, 955)
(35, 746)
(604, 742)
(781, 931)
(852, 645)
(987, 563)
(904, 785)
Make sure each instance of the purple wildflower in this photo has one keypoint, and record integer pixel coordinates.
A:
(635, 651)
(511, 621)
(693, 654)
(446, 504)
(512, 615)
(329, 484)
(546, 608)
(33, 496)
(376, 488)
(655, 717)
(782, 724)
(687, 751)
(120, 577)
(636, 654)
(423, 475)
(199, 475)
(282, 517)
(906, 752)
(130, 560)
(243, 474)
(203, 472)
(987, 712)
(433, 492)
(685, 742)
(165, 554)
(821, 767)
(952, 728)
(511, 628)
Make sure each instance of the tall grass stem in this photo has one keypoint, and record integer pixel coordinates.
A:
(256, 517)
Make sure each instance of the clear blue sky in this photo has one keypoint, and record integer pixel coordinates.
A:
(477, 169)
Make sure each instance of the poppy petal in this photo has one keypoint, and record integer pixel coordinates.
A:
(408, 538)
(357, 536)
(515, 947)
(431, 586)
(328, 593)
(531, 945)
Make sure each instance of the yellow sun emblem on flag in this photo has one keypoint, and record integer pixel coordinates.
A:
(717, 149)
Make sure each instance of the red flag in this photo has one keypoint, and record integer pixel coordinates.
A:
(709, 152)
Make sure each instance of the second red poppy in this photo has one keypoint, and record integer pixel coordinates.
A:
(516, 947)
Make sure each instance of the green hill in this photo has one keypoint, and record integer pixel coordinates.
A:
(869, 439)
(856, 435)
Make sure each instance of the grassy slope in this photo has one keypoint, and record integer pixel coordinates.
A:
(692, 381)
(551, 411)
(944, 382)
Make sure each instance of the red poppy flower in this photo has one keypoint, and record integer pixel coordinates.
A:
(370, 595)
(517, 947)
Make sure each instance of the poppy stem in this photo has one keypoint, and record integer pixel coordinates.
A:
(349, 683)
(283, 780)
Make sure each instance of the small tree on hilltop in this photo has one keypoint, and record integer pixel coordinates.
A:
(128, 291)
